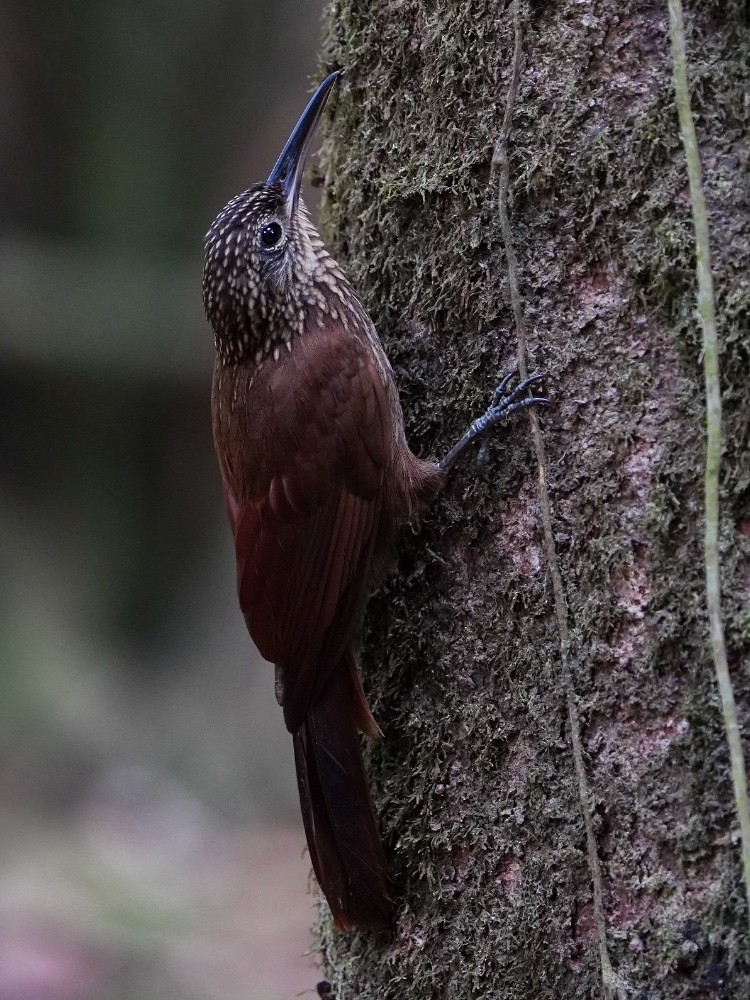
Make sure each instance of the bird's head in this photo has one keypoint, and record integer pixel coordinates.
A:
(262, 253)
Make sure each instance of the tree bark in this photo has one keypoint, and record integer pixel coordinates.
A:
(482, 808)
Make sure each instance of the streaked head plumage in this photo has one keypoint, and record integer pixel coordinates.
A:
(261, 252)
(258, 262)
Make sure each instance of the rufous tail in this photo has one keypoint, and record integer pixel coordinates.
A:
(342, 836)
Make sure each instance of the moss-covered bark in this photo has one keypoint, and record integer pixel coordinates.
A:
(474, 781)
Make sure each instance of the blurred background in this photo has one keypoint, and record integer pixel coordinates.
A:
(150, 840)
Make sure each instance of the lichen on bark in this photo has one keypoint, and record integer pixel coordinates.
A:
(474, 781)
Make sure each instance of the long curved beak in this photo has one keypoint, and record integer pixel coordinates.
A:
(290, 165)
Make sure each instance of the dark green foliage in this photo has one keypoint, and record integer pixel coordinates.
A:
(474, 780)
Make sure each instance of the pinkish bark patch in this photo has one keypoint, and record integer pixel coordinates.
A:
(520, 532)
(509, 876)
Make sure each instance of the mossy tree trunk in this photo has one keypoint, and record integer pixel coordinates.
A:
(475, 782)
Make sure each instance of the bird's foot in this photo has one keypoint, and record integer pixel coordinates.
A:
(504, 403)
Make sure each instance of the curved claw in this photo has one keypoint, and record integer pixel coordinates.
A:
(498, 393)
(536, 377)
(516, 392)
(502, 406)
(497, 413)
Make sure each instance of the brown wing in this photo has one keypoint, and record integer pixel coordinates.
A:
(305, 527)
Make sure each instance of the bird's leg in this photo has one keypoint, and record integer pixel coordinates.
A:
(503, 404)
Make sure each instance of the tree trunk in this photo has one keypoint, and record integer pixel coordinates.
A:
(475, 783)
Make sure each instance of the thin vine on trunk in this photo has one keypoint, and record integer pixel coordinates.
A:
(707, 313)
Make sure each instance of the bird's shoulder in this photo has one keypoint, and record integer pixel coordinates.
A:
(322, 412)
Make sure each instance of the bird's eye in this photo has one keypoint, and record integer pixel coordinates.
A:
(270, 235)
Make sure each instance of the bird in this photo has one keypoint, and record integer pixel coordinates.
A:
(317, 477)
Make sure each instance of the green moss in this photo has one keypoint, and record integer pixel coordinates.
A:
(474, 781)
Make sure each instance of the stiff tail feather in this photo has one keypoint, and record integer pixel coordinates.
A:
(342, 836)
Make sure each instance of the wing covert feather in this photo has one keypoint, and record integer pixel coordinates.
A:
(304, 537)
